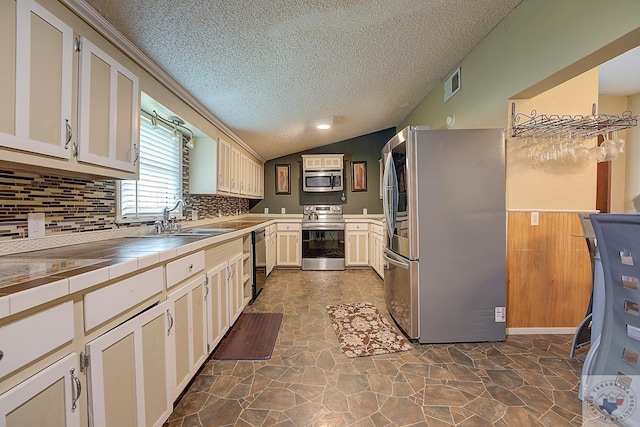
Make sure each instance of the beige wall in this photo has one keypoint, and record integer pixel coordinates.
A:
(541, 44)
(632, 178)
(614, 105)
(554, 185)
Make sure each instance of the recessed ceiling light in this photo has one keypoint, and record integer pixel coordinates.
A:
(324, 126)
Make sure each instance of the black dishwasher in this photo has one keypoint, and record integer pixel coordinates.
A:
(259, 263)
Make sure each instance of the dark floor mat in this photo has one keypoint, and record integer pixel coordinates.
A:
(251, 338)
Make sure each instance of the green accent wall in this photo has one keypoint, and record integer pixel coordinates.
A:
(362, 148)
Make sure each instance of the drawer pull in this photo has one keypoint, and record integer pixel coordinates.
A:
(190, 267)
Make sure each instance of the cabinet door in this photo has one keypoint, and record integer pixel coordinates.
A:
(236, 288)
(235, 171)
(109, 110)
(269, 253)
(224, 155)
(261, 181)
(288, 248)
(332, 162)
(217, 305)
(129, 374)
(189, 340)
(48, 398)
(357, 248)
(312, 162)
(35, 79)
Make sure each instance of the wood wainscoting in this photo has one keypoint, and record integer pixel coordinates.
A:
(548, 271)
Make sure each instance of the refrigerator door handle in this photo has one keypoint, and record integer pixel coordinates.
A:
(389, 206)
(395, 262)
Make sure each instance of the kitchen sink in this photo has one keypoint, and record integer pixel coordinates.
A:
(201, 231)
(191, 232)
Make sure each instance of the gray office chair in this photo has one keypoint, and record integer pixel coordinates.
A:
(615, 336)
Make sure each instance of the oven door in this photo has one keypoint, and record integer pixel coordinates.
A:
(322, 247)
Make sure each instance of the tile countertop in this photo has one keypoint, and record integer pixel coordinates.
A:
(31, 278)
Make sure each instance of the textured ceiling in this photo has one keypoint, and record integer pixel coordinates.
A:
(271, 69)
(619, 76)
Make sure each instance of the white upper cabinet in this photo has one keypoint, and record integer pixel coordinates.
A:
(235, 171)
(42, 76)
(109, 106)
(35, 79)
(224, 161)
(323, 161)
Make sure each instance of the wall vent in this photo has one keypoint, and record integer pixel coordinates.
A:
(452, 84)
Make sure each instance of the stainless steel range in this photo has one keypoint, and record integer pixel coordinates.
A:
(323, 238)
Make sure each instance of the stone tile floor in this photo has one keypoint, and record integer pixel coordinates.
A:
(524, 381)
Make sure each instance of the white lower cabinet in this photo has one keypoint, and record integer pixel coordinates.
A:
(270, 248)
(129, 372)
(376, 246)
(49, 398)
(225, 300)
(288, 245)
(189, 337)
(236, 288)
(356, 245)
(217, 304)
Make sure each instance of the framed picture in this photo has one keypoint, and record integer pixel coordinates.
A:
(358, 176)
(283, 179)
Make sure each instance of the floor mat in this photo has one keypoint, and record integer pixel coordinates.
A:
(251, 338)
(362, 331)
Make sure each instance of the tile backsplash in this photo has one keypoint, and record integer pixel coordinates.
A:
(73, 204)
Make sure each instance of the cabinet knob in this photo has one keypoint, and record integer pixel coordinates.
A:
(1, 355)
(190, 267)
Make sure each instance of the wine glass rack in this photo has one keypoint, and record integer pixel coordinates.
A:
(575, 127)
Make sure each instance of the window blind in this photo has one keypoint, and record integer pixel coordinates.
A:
(159, 184)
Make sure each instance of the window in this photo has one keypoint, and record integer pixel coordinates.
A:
(160, 180)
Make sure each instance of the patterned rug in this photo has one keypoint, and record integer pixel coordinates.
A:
(362, 331)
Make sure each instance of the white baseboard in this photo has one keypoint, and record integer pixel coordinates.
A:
(540, 331)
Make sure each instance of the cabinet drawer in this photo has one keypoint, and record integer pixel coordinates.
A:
(184, 267)
(357, 226)
(27, 339)
(377, 229)
(289, 226)
(106, 303)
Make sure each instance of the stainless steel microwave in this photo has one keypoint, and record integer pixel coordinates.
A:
(322, 180)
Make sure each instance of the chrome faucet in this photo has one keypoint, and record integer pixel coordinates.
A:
(169, 224)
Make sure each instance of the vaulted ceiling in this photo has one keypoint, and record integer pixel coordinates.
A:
(270, 70)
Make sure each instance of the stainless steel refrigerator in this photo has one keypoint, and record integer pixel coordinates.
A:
(445, 254)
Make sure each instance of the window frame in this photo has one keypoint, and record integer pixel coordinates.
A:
(178, 213)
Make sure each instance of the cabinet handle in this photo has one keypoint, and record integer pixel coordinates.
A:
(206, 291)
(69, 134)
(75, 394)
(135, 150)
(170, 317)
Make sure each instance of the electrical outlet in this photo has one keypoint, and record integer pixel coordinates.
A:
(194, 214)
(535, 218)
(35, 224)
